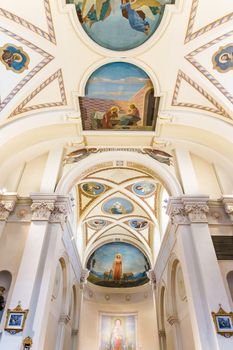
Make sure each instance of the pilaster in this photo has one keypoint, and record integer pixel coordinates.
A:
(34, 282)
(7, 204)
(189, 215)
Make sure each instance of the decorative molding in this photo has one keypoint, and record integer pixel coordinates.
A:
(228, 205)
(197, 212)
(64, 319)
(6, 207)
(42, 210)
(152, 278)
(74, 332)
(182, 76)
(172, 320)
(22, 109)
(188, 209)
(178, 215)
(190, 35)
(201, 69)
(47, 58)
(162, 333)
(50, 35)
(83, 277)
(59, 213)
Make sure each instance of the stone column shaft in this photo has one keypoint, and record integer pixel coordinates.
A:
(203, 279)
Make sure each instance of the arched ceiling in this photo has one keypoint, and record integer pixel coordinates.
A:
(119, 203)
(178, 58)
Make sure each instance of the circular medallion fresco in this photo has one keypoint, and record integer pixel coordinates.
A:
(93, 188)
(144, 188)
(138, 224)
(97, 224)
(119, 24)
(118, 265)
(117, 206)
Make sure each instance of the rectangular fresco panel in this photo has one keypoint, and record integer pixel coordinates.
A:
(119, 96)
(98, 114)
(118, 332)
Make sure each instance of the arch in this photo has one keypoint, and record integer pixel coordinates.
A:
(75, 174)
(143, 66)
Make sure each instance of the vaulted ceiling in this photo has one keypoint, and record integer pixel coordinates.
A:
(178, 58)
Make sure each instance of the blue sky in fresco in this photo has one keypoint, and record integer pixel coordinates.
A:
(117, 80)
(132, 258)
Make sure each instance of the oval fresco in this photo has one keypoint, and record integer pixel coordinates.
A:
(117, 206)
(144, 188)
(97, 224)
(119, 24)
(138, 224)
(118, 265)
(119, 96)
(93, 188)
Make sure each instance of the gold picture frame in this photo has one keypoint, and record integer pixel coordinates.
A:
(15, 320)
(223, 322)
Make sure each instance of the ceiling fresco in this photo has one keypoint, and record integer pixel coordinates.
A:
(195, 79)
(97, 224)
(144, 188)
(14, 58)
(138, 224)
(93, 189)
(118, 206)
(118, 265)
(119, 96)
(121, 24)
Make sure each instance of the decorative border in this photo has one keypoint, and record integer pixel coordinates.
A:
(50, 35)
(201, 69)
(22, 109)
(181, 75)
(47, 58)
(190, 35)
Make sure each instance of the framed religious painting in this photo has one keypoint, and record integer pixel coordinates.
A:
(15, 320)
(118, 331)
(223, 322)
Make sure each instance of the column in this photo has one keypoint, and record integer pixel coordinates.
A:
(7, 204)
(24, 288)
(57, 221)
(83, 282)
(152, 278)
(203, 279)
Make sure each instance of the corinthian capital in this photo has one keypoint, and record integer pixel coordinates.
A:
(197, 212)
(42, 210)
(61, 210)
(42, 206)
(228, 205)
(6, 207)
(176, 211)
